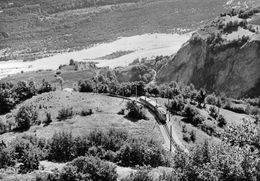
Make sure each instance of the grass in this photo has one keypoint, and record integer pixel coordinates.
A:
(105, 115)
(29, 34)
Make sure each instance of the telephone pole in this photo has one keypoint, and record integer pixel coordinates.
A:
(170, 138)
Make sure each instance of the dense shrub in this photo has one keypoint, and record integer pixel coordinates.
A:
(89, 168)
(25, 117)
(142, 151)
(135, 111)
(48, 119)
(140, 175)
(121, 112)
(12, 94)
(65, 113)
(189, 136)
(176, 105)
(209, 129)
(211, 99)
(86, 112)
(201, 98)
(221, 121)
(197, 120)
(61, 147)
(3, 126)
(85, 86)
(28, 150)
(236, 109)
(5, 156)
(192, 115)
(45, 87)
(213, 112)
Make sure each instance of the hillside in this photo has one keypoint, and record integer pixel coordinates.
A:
(219, 58)
(34, 29)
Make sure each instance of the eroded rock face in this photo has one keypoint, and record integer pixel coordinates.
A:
(235, 71)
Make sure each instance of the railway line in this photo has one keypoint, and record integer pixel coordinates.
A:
(162, 120)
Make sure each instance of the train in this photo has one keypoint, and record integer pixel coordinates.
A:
(158, 110)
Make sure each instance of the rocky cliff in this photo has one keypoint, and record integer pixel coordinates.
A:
(234, 70)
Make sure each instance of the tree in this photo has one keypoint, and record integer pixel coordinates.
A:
(25, 117)
(135, 111)
(201, 98)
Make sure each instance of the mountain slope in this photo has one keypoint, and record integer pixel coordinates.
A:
(230, 66)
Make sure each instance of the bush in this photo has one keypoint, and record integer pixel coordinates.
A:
(236, 109)
(121, 112)
(211, 99)
(135, 111)
(221, 121)
(176, 105)
(193, 136)
(28, 150)
(85, 86)
(45, 87)
(5, 156)
(142, 151)
(89, 168)
(25, 117)
(61, 147)
(48, 119)
(210, 130)
(192, 115)
(86, 112)
(3, 126)
(140, 175)
(213, 112)
(65, 113)
(186, 137)
(197, 120)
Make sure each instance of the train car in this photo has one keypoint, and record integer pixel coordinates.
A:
(159, 111)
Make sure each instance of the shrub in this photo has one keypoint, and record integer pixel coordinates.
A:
(221, 121)
(236, 109)
(48, 119)
(25, 117)
(211, 99)
(142, 151)
(210, 130)
(140, 175)
(176, 105)
(45, 87)
(3, 127)
(197, 120)
(89, 168)
(61, 147)
(213, 112)
(86, 112)
(24, 91)
(193, 136)
(121, 112)
(85, 86)
(5, 156)
(186, 137)
(135, 111)
(27, 150)
(191, 113)
(201, 98)
(65, 113)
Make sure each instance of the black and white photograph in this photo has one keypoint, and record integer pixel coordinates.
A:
(130, 90)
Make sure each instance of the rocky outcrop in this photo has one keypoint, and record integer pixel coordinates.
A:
(235, 70)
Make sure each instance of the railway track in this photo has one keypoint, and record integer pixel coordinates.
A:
(159, 121)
